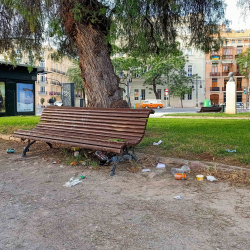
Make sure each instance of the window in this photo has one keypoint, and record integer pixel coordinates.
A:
(183, 97)
(190, 70)
(143, 94)
(42, 78)
(52, 89)
(225, 85)
(233, 41)
(42, 89)
(226, 68)
(239, 51)
(238, 68)
(239, 97)
(52, 65)
(239, 84)
(225, 99)
(228, 52)
(214, 82)
(190, 52)
(2, 97)
(190, 95)
(136, 94)
(42, 63)
(214, 70)
(239, 41)
(159, 93)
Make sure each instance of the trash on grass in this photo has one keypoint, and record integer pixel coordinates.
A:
(61, 166)
(82, 177)
(199, 177)
(76, 153)
(72, 182)
(54, 162)
(10, 151)
(101, 156)
(211, 178)
(181, 170)
(73, 163)
(160, 165)
(146, 170)
(179, 176)
(178, 197)
(75, 148)
(157, 143)
(231, 151)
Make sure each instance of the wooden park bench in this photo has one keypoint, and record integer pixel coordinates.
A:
(110, 130)
(209, 109)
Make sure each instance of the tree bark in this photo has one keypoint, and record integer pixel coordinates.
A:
(99, 80)
(84, 98)
(155, 91)
(181, 102)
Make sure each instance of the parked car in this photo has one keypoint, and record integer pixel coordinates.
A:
(58, 103)
(152, 104)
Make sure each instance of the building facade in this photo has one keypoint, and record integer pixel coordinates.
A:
(50, 85)
(196, 65)
(220, 63)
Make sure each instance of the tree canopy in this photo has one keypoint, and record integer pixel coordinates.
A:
(89, 29)
(244, 62)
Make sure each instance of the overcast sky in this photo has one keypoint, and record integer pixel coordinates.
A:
(233, 14)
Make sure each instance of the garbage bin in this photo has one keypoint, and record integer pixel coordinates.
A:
(207, 103)
(223, 107)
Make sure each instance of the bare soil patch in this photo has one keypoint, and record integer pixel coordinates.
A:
(132, 210)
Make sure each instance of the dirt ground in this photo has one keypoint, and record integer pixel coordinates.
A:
(129, 211)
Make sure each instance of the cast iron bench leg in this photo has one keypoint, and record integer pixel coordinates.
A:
(27, 148)
(134, 155)
(50, 145)
(118, 159)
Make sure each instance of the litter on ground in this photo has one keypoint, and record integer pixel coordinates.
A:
(231, 151)
(181, 170)
(178, 197)
(157, 143)
(211, 178)
(72, 182)
(160, 165)
(146, 170)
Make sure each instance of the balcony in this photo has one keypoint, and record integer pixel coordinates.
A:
(237, 74)
(55, 83)
(214, 57)
(42, 82)
(225, 73)
(42, 92)
(214, 74)
(214, 88)
(239, 89)
(224, 89)
(54, 93)
(227, 57)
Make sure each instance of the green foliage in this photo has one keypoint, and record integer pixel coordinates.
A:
(54, 98)
(244, 62)
(42, 100)
(74, 74)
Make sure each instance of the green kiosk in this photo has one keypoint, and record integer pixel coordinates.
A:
(17, 90)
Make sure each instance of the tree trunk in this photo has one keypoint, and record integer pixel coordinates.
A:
(181, 102)
(99, 80)
(154, 89)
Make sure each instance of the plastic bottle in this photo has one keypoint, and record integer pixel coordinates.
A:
(101, 156)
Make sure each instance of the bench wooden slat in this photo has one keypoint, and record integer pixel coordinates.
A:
(103, 141)
(71, 139)
(129, 139)
(113, 120)
(97, 127)
(116, 114)
(71, 143)
(96, 123)
(105, 110)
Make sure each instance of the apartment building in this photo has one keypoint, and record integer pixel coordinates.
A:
(196, 65)
(50, 85)
(220, 63)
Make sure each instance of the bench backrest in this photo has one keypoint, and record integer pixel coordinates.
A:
(125, 124)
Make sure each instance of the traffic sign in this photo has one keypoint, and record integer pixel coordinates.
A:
(166, 90)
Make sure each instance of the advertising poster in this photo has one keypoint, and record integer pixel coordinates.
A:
(2, 97)
(25, 97)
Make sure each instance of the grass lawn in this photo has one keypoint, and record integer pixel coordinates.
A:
(10, 124)
(184, 138)
(199, 139)
(245, 114)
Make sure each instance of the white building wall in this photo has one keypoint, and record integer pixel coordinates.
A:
(197, 60)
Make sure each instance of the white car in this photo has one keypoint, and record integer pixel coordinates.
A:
(58, 103)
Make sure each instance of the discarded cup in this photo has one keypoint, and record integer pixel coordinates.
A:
(75, 148)
(101, 156)
(211, 178)
(146, 170)
(76, 153)
(10, 151)
(179, 176)
(199, 177)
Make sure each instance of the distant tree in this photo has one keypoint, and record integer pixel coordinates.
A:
(74, 74)
(42, 100)
(181, 85)
(244, 62)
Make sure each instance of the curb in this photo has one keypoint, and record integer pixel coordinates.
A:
(10, 138)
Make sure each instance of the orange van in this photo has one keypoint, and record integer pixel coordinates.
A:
(153, 104)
